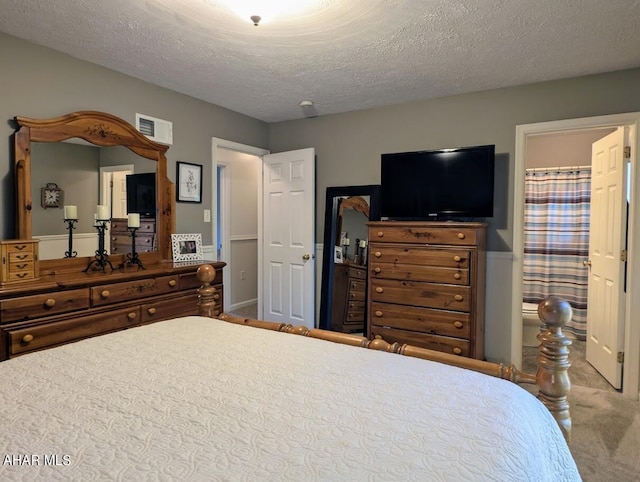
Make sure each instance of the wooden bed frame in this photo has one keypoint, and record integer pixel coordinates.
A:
(552, 377)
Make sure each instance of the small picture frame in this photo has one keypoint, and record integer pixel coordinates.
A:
(337, 255)
(189, 182)
(186, 247)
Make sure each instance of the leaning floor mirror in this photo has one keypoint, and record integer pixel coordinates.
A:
(344, 265)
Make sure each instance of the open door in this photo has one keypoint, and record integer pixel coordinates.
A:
(288, 274)
(607, 257)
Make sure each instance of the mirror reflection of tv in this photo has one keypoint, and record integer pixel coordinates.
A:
(141, 194)
(446, 184)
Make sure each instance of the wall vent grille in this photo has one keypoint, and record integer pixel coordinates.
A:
(155, 129)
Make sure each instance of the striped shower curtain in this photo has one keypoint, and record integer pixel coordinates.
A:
(556, 239)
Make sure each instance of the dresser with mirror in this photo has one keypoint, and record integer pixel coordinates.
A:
(61, 294)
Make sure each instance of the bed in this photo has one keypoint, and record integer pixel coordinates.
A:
(199, 398)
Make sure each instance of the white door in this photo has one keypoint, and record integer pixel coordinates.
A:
(119, 194)
(288, 274)
(607, 234)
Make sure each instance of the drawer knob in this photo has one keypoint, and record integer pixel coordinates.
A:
(151, 311)
(458, 297)
(216, 296)
(379, 290)
(461, 236)
(458, 324)
(377, 254)
(27, 338)
(105, 293)
(457, 276)
(457, 351)
(50, 303)
(380, 234)
(379, 313)
(172, 283)
(132, 316)
(377, 270)
(457, 259)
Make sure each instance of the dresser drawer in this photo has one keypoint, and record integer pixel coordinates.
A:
(425, 320)
(420, 256)
(430, 295)
(21, 257)
(20, 275)
(357, 273)
(120, 225)
(419, 273)
(23, 340)
(37, 306)
(184, 305)
(423, 234)
(133, 290)
(357, 285)
(445, 344)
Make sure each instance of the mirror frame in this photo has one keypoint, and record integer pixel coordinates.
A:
(100, 129)
(330, 235)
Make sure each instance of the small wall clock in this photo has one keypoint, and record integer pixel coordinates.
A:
(51, 196)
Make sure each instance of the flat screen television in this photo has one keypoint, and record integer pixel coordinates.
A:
(141, 194)
(438, 185)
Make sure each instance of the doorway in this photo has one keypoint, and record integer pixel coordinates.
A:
(632, 304)
(559, 216)
(284, 192)
(237, 223)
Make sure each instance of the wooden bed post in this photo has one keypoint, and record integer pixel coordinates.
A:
(206, 301)
(552, 376)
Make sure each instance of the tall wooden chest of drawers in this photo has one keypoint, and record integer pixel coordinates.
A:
(426, 284)
(349, 291)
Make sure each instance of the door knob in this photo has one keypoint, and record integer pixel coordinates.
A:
(587, 262)
(306, 257)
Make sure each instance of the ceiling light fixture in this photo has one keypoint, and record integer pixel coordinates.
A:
(260, 12)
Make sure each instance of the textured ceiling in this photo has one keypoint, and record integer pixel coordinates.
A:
(342, 54)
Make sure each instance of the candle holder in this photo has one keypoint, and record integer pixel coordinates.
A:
(102, 257)
(70, 226)
(132, 257)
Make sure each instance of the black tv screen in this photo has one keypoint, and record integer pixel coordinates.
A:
(441, 184)
(141, 194)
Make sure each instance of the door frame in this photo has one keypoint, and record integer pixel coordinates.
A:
(631, 372)
(226, 238)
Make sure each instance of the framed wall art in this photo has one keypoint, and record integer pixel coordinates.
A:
(189, 180)
(186, 247)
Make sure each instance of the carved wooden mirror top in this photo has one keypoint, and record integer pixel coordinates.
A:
(100, 129)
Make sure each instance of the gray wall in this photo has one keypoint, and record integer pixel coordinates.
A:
(41, 83)
(357, 139)
(562, 149)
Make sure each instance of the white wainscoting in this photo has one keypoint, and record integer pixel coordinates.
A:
(54, 246)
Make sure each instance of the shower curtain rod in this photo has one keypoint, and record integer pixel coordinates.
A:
(557, 169)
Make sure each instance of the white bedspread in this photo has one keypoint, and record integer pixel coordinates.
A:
(203, 400)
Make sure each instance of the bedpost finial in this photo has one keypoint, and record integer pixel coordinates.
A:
(555, 312)
(206, 273)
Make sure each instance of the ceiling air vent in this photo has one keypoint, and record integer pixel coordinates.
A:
(155, 129)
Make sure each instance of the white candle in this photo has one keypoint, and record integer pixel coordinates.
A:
(103, 213)
(71, 212)
(346, 242)
(363, 243)
(133, 220)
